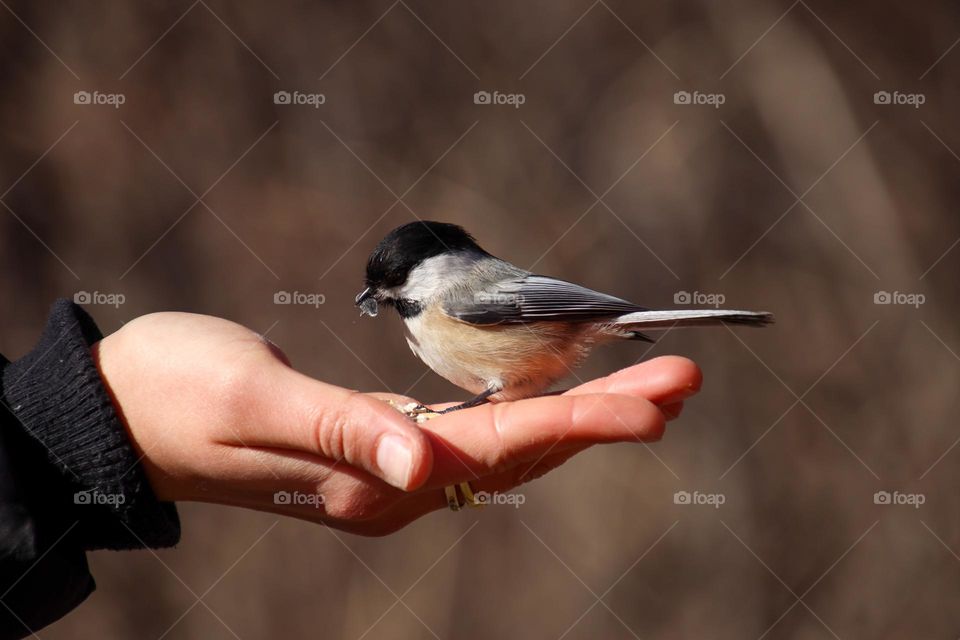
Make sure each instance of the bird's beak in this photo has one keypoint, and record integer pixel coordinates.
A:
(367, 302)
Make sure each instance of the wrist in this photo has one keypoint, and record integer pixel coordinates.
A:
(93, 475)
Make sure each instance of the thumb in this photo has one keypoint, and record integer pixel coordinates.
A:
(346, 425)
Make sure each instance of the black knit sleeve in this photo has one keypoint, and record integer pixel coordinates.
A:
(70, 480)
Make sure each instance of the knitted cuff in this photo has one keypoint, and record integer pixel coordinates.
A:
(57, 395)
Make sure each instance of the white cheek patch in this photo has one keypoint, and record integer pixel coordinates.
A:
(433, 276)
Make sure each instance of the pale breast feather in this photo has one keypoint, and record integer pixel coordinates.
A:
(522, 360)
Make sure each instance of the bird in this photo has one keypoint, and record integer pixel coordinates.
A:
(498, 331)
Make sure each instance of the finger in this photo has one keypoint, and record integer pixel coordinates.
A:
(412, 506)
(490, 438)
(663, 380)
(338, 424)
(383, 510)
(659, 380)
(666, 379)
(306, 473)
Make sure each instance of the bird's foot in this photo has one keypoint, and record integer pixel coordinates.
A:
(415, 411)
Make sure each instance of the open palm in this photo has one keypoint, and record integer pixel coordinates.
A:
(220, 416)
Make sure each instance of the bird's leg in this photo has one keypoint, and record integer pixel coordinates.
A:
(473, 402)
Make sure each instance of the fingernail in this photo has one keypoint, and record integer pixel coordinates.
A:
(395, 459)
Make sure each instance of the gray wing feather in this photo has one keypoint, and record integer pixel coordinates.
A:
(535, 298)
(669, 318)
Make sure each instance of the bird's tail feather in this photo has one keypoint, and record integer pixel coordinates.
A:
(669, 318)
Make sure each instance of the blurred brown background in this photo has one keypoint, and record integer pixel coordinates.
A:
(797, 427)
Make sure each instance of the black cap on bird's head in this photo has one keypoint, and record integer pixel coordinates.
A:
(402, 250)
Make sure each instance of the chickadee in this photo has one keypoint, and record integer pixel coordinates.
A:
(494, 329)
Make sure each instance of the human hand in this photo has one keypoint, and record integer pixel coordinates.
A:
(219, 416)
